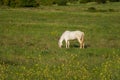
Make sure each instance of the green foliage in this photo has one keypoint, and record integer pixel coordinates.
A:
(61, 2)
(98, 1)
(85, 1)
(29, 3)
(46, 2)
(114, 0)
(1, 2)
(101, 1)
(72, 1)
(36, 3)
(19, 3)
(93, 9)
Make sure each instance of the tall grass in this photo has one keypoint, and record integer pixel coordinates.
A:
(29, 43)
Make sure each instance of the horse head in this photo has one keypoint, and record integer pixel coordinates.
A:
(60, 44)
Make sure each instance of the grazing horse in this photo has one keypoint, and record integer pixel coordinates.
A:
(72, 35)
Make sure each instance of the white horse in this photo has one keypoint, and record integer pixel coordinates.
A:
(72, 35)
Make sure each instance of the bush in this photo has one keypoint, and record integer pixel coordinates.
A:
(14, 3)
(46, 2)
(28, 3)
(19, 3)
(35, 3)
(73, 1)
(85, 1)
(31, 3)
(98, 1)
(101, 1)
(114, 0)
(61, 2)
(1, 2)
(92, 9)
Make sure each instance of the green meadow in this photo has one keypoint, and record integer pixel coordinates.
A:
(29, 43)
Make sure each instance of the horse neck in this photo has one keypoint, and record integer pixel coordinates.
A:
(61, 39)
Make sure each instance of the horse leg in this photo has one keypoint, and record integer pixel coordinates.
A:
(66, 43)
(80, 42)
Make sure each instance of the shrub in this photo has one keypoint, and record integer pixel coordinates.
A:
(19, 3)
(101, 1)
(46, 2)
(29, 3)
(1, 2)
(73, 1)
(114, 0)
(98, 1)
(92, 9)
(61, 2)
(85, 1)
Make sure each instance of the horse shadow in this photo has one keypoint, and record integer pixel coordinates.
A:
(78, 46)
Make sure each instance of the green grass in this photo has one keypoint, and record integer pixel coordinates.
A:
(29, 43)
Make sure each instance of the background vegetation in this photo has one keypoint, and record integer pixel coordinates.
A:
(36, 3)
(29, 42)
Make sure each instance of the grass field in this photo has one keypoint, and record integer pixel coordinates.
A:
(29, 43)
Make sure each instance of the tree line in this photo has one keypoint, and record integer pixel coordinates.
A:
(36, 3)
